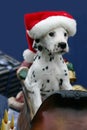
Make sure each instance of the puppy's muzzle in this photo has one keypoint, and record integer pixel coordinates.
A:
(62, 45)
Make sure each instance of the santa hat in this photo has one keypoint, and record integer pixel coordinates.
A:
(39, 24)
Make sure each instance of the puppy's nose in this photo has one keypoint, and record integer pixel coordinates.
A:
(62, 45)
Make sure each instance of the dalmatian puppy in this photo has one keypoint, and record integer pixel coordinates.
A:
(48, 72)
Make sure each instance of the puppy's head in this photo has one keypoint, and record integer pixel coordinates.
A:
(54, 41)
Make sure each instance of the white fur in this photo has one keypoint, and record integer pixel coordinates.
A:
(48, 71)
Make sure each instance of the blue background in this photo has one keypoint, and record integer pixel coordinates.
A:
(12, 32)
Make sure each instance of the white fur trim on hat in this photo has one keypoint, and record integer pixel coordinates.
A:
(50, 23)
(28, 55)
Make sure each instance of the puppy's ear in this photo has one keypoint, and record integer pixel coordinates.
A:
(37, 40)
(35, 43)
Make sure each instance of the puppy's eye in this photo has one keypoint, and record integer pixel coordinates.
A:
(37, 40)
(65, 34)
(51, 34)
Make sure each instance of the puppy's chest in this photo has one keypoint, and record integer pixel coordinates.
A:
(50, 66)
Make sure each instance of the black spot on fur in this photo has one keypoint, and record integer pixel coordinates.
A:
(37, 40)
(49, 54)
(33, 73)
(35, 57)
(66, 74)
(46, 67)
(42, 85)
(35, 46)
(39, 57)
(47, 91)
(51, 58)
(40, 48)
(34, 76)
(43, 69)
(61, 82)
(48, 80)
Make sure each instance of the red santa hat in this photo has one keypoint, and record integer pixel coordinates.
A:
(39, 24)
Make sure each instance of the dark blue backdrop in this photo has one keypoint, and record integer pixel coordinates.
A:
(12, 31)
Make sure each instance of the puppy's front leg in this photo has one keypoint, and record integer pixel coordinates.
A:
(34, 96)
(66, 85)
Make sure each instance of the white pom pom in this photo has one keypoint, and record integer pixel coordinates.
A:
(28, 55)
